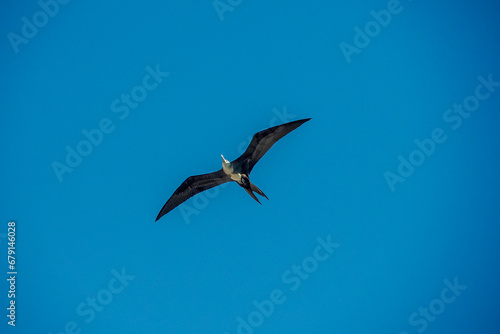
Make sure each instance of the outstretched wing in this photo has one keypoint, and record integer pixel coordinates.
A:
(192, 186)
(262, 142)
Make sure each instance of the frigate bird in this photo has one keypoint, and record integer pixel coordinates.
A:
(237, 170)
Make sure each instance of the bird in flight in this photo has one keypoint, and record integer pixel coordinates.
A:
(237, 170)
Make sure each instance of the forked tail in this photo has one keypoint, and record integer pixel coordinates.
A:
(257, 190)
(252, 194)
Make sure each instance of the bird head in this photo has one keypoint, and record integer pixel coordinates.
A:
(224, 160)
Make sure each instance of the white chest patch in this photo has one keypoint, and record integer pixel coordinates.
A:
(236, 177)
(229, 170)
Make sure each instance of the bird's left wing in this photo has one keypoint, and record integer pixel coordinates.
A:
(192, 186)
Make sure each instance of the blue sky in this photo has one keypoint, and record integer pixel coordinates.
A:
(383, 213)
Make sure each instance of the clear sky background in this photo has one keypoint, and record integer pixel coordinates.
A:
(346, 243)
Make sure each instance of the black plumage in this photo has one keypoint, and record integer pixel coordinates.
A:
(261, 142)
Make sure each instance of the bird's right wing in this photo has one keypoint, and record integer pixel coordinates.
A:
(262, 141)
(192, 186)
